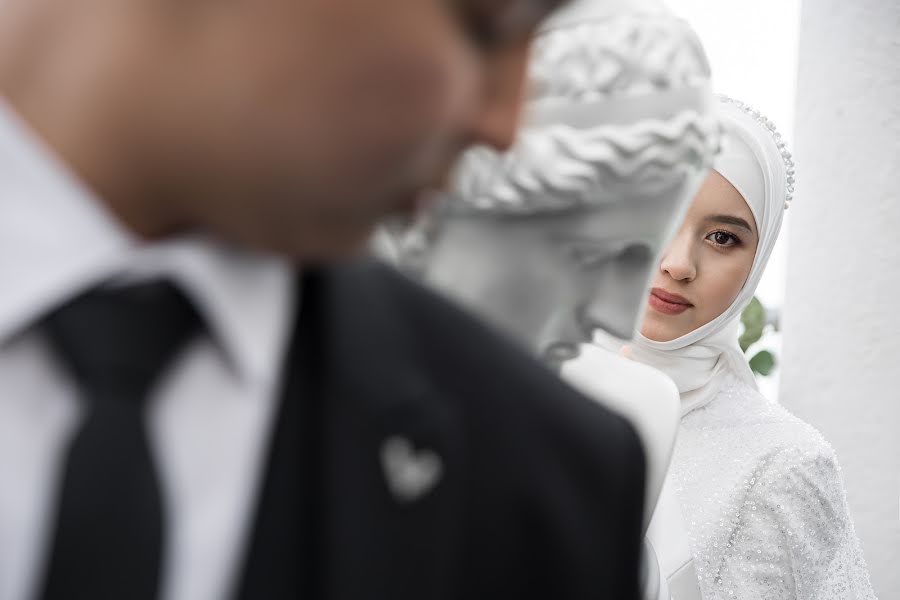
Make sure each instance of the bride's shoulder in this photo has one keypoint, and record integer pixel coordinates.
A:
(788, 448)
(776, 434)
(787, 503)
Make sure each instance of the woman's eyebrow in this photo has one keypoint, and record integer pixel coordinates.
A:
(729, 220)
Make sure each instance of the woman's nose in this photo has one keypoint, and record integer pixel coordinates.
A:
(678, 261)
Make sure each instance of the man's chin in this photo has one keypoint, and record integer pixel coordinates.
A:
(338, 248)
(409, 205)
(344, 239)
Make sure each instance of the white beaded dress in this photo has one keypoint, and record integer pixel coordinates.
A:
(764, 505)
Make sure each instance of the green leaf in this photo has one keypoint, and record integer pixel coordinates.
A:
(754, 320)
(763, 363)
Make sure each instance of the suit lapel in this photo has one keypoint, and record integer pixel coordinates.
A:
(282, 546)
(389, 512)
(361, 488)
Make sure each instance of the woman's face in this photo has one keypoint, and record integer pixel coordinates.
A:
(705, 266)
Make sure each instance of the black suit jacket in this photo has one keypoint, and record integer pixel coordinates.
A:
(541, 490)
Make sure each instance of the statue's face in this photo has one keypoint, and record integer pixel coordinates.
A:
(550, 279)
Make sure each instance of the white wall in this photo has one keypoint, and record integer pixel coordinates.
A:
(842, 308)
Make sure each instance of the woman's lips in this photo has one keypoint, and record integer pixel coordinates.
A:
(667, 302)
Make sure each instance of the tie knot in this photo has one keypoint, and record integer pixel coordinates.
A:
(119, 339)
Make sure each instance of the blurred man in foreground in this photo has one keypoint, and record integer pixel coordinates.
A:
(204, 395)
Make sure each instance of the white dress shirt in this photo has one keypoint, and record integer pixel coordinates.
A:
(210, 415)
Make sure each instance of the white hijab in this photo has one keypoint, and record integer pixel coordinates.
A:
(754, 160)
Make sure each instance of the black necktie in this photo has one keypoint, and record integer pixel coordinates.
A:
(110, 522)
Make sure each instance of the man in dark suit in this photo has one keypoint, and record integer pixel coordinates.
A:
(205, 395)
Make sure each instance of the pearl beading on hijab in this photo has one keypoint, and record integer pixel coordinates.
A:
(779, 142)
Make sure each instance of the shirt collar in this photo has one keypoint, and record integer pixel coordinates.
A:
(57, 240)
(247, 299)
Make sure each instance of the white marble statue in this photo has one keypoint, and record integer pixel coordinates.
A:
(558, 237)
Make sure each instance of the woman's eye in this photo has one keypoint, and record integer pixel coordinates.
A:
(722, 238)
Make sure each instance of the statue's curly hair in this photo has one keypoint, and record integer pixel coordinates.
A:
(554, 165)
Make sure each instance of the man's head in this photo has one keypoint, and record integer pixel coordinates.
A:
(288, 125)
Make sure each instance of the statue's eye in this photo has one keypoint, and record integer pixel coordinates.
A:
(588, 257)
(587, 254)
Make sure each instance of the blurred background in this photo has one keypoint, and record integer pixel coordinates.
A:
(828, 74)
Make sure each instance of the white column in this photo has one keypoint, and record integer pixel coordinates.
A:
(841, 359)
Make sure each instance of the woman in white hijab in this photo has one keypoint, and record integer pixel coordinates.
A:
(760, 491)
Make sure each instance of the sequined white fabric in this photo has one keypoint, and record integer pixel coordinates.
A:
(764, 504)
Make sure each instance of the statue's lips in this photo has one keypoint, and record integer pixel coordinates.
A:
(667, 303)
